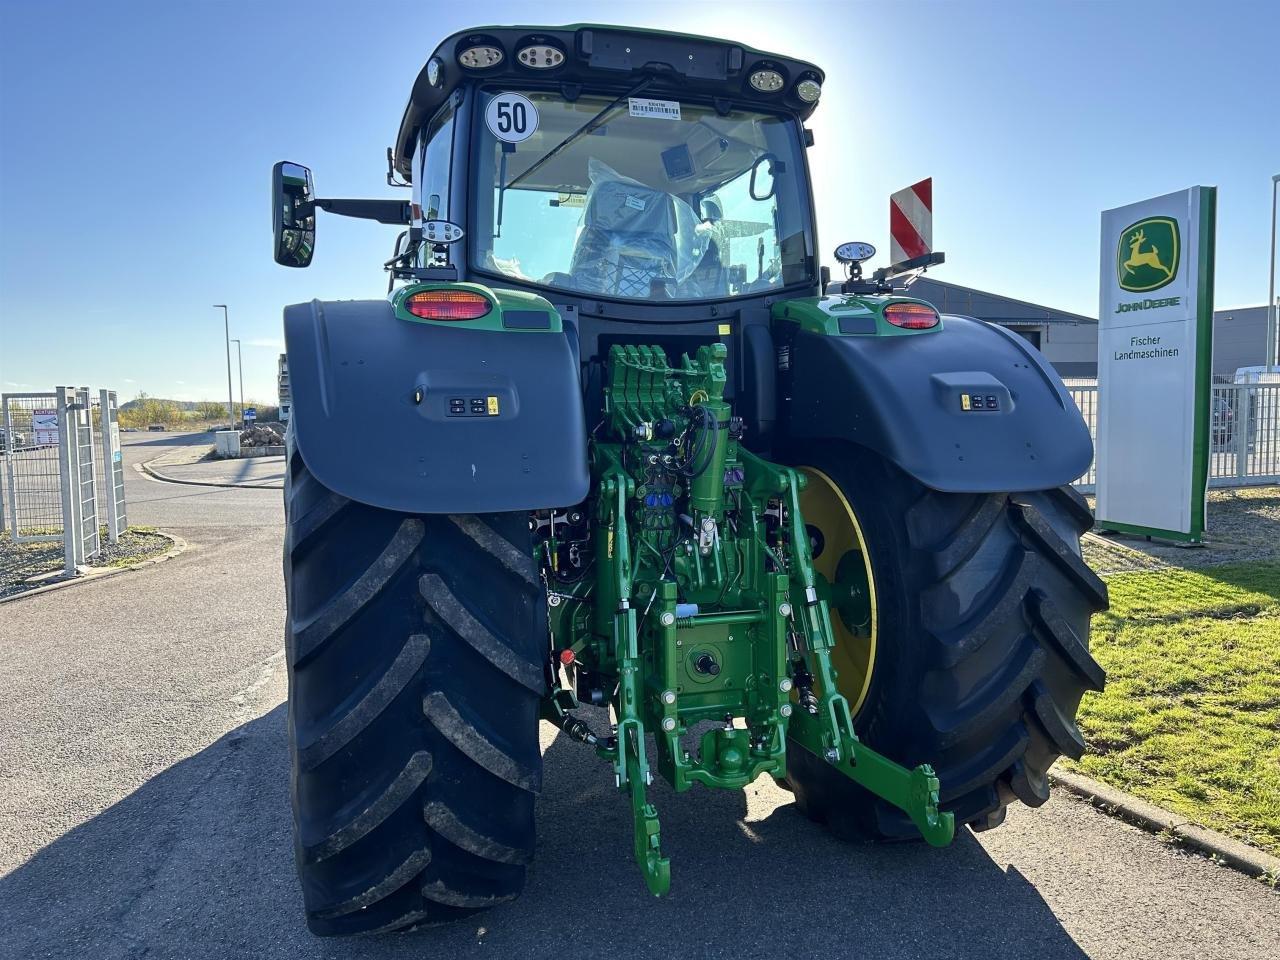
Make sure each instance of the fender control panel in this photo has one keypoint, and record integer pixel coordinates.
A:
(972, 402)
(486, 406)
(972, 391)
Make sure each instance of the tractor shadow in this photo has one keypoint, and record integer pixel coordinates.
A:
(198, 862)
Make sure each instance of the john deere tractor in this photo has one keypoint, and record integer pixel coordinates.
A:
(616, 454)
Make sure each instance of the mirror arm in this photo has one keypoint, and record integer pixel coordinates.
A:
(395, 212)
(392, 179)
(426, 274)
(906, 266)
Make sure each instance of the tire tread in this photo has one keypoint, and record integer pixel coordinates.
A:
(406, 705)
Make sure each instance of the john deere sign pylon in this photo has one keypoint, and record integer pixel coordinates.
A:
(1155, 334)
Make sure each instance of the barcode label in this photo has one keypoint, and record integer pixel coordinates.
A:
(661, 109)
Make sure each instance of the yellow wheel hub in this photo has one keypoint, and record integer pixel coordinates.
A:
(845, 582)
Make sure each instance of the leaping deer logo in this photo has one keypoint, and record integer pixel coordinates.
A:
(1140, 258)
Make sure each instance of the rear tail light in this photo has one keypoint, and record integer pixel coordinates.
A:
(911, 316)
(448, 305)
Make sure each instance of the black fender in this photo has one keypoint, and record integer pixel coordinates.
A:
(903, 397)
(373, 411)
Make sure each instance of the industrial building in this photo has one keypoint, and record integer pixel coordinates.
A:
(1239, 339)
(1070, 341)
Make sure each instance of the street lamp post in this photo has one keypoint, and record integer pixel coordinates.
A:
(240, 367)
(1271, 292)
(226, 329)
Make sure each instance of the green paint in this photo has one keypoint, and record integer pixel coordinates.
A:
(823, 314)
(1147, 254)
(1200, 451)
(1176, 536)
(502, 300)
(681, 514)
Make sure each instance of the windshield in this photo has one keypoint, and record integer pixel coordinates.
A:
(637, 197)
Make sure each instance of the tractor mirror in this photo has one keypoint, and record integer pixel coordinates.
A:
(293, 214)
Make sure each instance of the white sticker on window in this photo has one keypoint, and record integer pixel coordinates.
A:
(646, 107)
(635, 203)
(511, 117)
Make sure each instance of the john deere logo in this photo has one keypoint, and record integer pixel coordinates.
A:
(1147, 256)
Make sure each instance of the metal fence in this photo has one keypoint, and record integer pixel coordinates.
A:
(1086, 398)
(1244, 432)
(56, 474)
(33, 473)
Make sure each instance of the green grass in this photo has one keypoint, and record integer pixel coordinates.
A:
(1190, 719)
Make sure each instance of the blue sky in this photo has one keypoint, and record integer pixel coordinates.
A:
(136, 141)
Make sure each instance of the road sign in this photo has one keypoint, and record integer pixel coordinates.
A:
(250, 413)
(1155, 333)
(911, 221)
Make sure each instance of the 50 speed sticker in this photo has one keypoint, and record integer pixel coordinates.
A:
(511, 117)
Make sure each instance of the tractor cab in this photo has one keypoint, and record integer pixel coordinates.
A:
(625, 165)
(597, 164)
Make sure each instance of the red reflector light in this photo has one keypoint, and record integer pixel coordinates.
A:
(448, 305)
(911, 316)
(567, 657)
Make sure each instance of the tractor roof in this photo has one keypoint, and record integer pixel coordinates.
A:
(610, 58)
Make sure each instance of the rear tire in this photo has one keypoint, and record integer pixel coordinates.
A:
(982, 644)
(415, 648)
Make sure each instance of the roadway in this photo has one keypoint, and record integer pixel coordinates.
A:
(144, 811)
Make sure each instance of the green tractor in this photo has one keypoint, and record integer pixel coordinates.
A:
(615, 453)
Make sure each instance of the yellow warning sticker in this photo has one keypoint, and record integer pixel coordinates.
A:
(965, 402)
(724, 329)
(493, 406)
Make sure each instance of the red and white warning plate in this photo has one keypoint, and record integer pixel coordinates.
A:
(911, 221)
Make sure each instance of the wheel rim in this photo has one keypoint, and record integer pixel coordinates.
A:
(844, 581)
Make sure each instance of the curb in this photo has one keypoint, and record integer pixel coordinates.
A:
(177, 546)
(1256, 863)
(155, 474)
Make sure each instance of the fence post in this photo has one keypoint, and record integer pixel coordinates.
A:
(72, 544)
(10, 469)
(6, 422)
(87, 500)
(1241, 424)
(112, 464)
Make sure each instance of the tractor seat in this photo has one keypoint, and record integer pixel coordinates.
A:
(628, 240)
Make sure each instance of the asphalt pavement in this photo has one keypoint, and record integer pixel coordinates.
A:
(144, 812)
